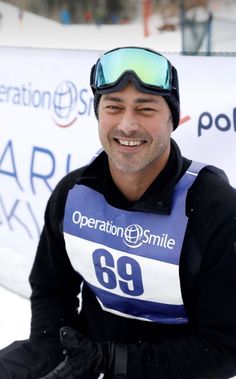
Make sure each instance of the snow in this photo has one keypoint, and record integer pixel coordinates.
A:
(14, 317)
(35, 31)
(38, 32)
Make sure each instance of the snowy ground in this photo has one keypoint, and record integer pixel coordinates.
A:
(34, 31)
(14, 317)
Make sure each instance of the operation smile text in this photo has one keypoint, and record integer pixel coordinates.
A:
(108, 227)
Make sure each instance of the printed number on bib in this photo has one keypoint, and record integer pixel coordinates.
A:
(124, 272)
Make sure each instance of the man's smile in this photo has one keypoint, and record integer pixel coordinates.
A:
(129, 142)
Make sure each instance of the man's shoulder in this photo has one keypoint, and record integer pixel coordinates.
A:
(70, 179)
(67, 182)
(212, 189)
(214, 181)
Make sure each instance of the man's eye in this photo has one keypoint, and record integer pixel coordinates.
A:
(112, 107)
(147, 109)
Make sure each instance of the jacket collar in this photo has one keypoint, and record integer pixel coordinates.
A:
(156, 199)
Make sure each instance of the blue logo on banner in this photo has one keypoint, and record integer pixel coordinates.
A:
(64, 103)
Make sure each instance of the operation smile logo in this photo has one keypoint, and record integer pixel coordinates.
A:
(66, 103)
(133, 235)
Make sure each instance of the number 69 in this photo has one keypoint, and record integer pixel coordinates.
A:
(125, 272)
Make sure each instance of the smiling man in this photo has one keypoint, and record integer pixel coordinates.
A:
(135, 129)
(134, 275)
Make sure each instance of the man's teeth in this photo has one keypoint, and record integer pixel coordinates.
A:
(129, 143)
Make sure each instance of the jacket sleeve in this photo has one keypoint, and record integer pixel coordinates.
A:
(55, 285)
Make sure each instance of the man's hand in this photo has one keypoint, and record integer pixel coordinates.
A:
(85, 359)
(61, 371)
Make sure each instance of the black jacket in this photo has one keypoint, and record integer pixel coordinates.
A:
(203, 348)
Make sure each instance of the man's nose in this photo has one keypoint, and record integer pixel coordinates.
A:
(128, 122)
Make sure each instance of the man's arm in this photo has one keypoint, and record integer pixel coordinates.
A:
(55, 285)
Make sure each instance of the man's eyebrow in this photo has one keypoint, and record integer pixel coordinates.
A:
(147, 100)
(110, 97)
(138, 100)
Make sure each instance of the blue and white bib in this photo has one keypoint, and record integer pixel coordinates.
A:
(130, 260)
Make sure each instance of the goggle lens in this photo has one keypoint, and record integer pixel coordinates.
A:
(151, 68)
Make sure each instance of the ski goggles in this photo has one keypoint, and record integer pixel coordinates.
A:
(151, 71)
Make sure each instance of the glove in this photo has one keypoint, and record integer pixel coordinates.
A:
(85, 359)
(45, 356)
(61, 371)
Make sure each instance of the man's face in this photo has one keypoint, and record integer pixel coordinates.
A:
(134, 129)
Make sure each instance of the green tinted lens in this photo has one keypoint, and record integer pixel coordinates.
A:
(151, 68)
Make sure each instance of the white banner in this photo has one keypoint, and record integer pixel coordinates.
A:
(208, 103)
(48, 128)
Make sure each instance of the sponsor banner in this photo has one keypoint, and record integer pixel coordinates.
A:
(48, 128)
(207, 132)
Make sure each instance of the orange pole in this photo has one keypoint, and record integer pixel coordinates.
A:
(146, 14)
